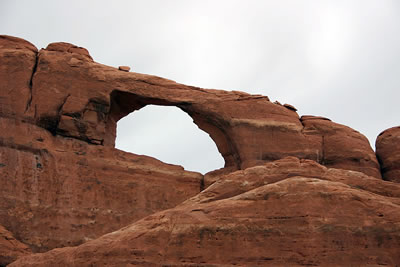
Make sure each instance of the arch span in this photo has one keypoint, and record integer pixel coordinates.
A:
(84, 100)
(124, 103)
(168, 134)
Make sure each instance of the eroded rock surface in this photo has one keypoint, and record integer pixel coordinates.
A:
(63, 184)
(67, 93)
(59, 192)
(10, 248)
(286, 213)
(388, 152)
(17, 64)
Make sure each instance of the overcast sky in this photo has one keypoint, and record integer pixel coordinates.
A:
(338, 59)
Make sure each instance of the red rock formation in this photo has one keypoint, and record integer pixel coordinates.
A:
(63, 183)
(10, 248)
(388, 153)
(17, 63)
(59, 192)
(341, 146)
(285, 213)
(75, 97)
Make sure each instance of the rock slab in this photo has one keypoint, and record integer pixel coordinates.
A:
(285, 213)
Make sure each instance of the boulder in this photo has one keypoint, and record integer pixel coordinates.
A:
(70, 48)
(388, 153)
(341, 146)
(124, 68)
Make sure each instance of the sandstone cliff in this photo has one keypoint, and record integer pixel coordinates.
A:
(294, 190)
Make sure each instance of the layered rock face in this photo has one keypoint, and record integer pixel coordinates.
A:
(294, 191)
(51, 186)
(57, 191)
(285, 213)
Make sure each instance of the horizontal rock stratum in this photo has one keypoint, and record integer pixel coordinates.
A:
(294, 190)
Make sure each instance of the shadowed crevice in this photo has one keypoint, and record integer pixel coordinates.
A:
(28, 104)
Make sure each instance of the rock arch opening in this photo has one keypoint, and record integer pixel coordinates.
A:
(168, 134)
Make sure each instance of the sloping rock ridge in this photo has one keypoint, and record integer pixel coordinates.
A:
(295, 191)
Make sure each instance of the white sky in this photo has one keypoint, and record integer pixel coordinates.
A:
(338, 59)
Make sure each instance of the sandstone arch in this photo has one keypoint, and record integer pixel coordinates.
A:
(71, 95)
(123, 103)
(170, 135)
(63, 183)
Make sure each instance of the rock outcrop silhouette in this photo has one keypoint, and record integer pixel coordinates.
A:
(294, 190)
